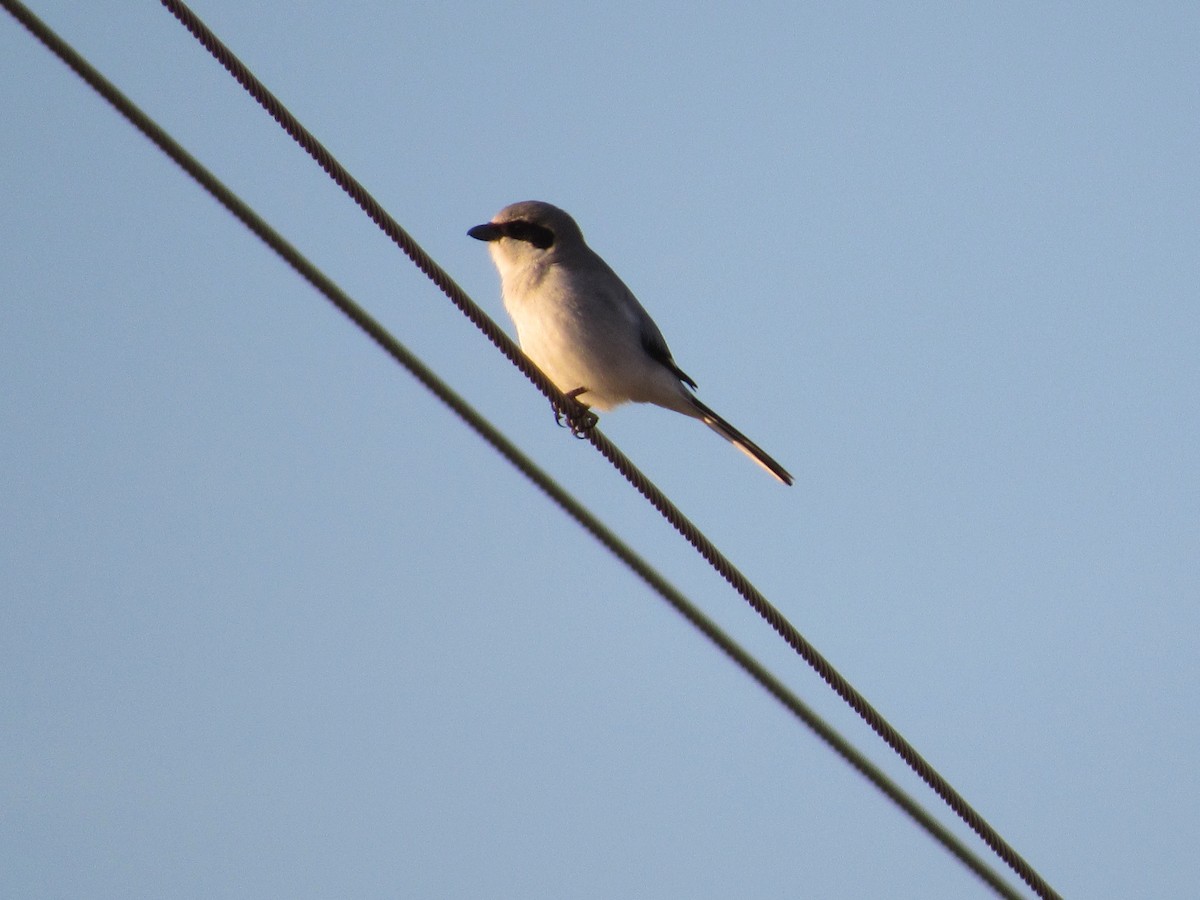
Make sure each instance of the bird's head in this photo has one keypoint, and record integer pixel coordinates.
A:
(528, 233)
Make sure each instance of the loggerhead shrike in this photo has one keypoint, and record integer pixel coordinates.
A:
(583, 327)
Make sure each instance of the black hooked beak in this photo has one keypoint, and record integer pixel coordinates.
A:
(489, 231)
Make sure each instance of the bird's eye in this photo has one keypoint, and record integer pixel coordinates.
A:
(530, 232)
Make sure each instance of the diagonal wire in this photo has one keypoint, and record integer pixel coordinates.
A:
(669, 511)
(504, 446)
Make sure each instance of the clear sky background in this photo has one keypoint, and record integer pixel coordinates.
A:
(274, 624)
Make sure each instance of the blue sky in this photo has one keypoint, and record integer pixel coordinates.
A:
(275, 624)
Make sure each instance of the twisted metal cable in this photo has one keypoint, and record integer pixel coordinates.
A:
(505, 447)
(640, 482)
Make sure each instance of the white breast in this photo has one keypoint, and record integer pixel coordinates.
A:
(582, 328)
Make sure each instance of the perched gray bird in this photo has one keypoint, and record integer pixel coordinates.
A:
(583, 327)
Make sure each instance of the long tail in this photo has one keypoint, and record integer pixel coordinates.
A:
(743, 443)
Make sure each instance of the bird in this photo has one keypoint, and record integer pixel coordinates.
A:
(579, 323)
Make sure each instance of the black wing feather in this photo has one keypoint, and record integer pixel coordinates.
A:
(656, 346)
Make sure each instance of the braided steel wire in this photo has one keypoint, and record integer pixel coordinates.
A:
(640, 482)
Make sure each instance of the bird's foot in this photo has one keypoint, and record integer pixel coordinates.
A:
(576, 416)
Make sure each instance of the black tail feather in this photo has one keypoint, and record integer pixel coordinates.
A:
(743, 443)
